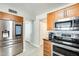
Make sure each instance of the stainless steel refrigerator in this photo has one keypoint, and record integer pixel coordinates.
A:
(11, 42)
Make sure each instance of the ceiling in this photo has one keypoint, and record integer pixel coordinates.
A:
(34, 9)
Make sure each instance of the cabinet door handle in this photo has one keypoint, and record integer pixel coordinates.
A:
(65, 13)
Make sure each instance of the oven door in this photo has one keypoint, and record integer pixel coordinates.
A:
(64, 50)
(58, 51)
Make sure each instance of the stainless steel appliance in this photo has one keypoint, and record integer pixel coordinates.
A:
(64, 44)
(66, 37)
(71, 23)
(51, 36)
(10, 43)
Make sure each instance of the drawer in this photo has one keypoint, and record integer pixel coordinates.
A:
(47, 45)
(11, 50)
(47, 49)
(47, 52)
(46, 42)
(45, 55)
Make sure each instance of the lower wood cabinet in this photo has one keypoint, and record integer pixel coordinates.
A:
(47, 48)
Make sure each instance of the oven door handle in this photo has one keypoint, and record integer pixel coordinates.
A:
(66, 47)
(57, 53)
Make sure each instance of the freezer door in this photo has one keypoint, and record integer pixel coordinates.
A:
(11, 50)
(7, 30)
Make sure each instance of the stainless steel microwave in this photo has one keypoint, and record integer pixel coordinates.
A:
(71, 23)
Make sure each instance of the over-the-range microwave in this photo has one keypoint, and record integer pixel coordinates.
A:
(71, 23)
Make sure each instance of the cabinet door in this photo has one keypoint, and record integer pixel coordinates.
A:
(50, 21)
(59, 14)
(73, 10)
(19, 19)
(47, 48)
(7, 16)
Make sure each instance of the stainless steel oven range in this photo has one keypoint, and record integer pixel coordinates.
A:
(66, 37)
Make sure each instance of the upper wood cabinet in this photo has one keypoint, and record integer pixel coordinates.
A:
(62, 13)
(72, 10)
(50, 21)
(67, 12)
(8, 16)
(59, 14)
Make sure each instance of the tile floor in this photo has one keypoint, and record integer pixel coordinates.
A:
(30, 50)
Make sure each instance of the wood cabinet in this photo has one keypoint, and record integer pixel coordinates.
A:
(60, 14)
(72, 10)
(52, 17)
(7, 16)
(47, 48)
(50, 21)
(67, 12)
